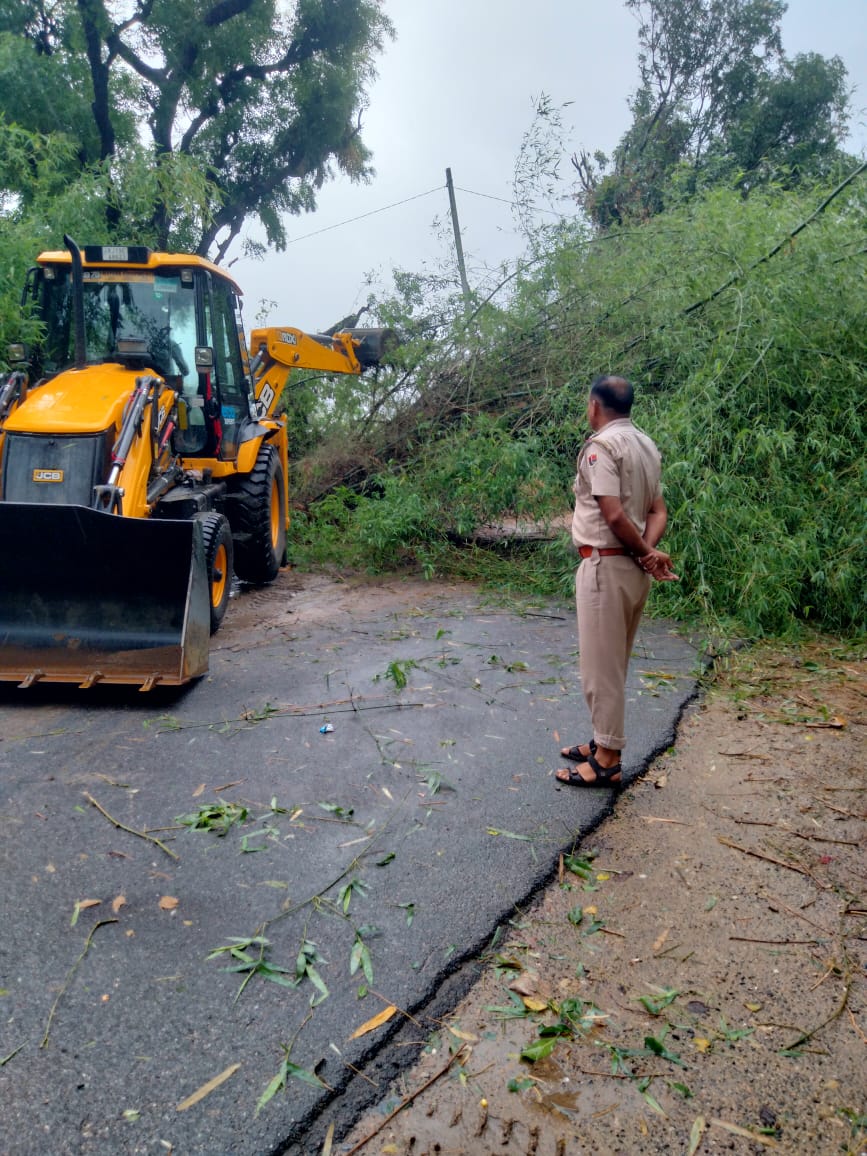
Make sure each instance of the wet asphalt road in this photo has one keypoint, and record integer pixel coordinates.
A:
(382, 855)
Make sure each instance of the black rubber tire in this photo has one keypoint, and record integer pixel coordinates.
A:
(219, 551)
(260, 519)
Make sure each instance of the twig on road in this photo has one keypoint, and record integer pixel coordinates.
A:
(130, 830)
(69, 975)
(407, 1100)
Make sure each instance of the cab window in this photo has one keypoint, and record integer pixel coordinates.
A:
(221, 327)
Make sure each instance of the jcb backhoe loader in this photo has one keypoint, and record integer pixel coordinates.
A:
(142, 462)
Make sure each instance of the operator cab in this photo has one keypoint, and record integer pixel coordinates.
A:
(177, 317)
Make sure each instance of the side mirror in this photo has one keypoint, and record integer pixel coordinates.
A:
(17, 353)
(204, 358)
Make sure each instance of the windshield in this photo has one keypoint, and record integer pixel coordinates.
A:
(156, 308)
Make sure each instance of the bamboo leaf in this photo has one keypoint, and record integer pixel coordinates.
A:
(303, 1074)
(539, 1050)
(375, 1022)
(699, 1127)
(274, 1085)
(657, 1004)
(317, 981)
(207, 1088)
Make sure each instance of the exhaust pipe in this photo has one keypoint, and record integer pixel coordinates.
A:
(77, 302)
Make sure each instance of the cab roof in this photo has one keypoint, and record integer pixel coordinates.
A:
(135, 257)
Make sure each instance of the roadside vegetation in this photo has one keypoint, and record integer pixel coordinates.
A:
(717, 259)
(740, 323)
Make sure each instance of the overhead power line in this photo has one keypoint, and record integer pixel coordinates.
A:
(406, 201)
(487, 196)
(362, 216)
(504, 201)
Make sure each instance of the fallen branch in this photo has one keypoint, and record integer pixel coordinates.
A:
(777, 904)
(405, 1102)
(69, 975)
(130, 830)
(829, 971)
(5, 1060)
(318, 896)
(354, 708)
(842, 810)
(656, 819)
(358, 1072)
(251, 718)
(802, 1039)
(797, 834)
(855, 1027)
(767, 858)
(777, 942)
(606, 1075)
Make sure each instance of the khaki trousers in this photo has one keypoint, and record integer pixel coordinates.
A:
(610, 594)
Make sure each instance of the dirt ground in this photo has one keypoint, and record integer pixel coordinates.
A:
(695, 980)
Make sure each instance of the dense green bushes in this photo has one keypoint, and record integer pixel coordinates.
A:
(750, 368)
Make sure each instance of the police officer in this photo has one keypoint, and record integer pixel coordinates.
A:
(619, 518)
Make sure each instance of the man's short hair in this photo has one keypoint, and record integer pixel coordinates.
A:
(614, 393)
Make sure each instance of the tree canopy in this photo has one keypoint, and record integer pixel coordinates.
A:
(260, 99)
(717, 101)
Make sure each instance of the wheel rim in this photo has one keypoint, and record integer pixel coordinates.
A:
(219, 575)
(275, 514)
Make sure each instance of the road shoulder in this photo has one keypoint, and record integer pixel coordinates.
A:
(694, 980)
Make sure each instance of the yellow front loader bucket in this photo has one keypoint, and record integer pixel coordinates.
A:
(90, 597)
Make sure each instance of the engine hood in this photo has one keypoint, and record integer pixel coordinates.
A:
(76, 401)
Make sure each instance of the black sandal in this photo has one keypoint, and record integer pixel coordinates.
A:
(604, 775)
(575, 754)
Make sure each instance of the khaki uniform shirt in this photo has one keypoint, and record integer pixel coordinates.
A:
(620, 461)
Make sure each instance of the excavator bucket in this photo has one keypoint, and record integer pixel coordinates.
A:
(91, 597)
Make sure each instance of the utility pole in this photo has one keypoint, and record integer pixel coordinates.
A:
(459, 249)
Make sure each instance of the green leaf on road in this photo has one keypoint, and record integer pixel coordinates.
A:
(539, 1050)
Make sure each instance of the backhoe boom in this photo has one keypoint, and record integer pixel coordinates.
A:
(276, 350)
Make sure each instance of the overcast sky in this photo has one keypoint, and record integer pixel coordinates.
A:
(456, 88)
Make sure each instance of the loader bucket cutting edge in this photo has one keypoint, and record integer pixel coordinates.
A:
(90, 597)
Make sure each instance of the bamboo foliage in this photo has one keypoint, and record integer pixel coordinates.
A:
(741, 324)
